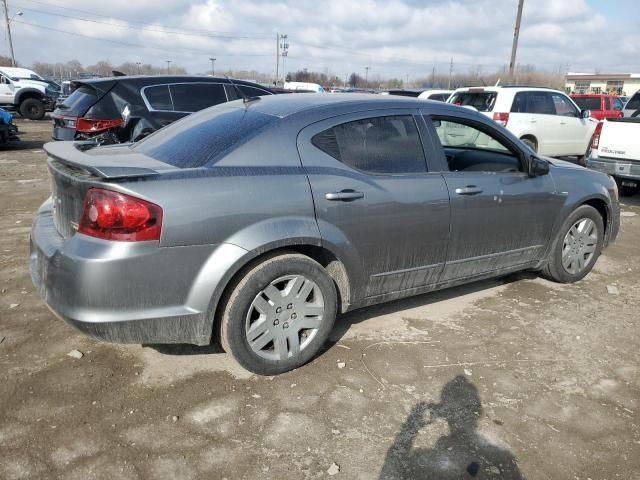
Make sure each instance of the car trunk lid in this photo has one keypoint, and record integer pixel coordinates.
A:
(74, 168)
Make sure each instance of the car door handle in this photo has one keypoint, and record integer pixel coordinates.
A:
(344, 196)
(468, 190)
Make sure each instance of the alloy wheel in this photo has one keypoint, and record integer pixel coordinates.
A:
(579, 246)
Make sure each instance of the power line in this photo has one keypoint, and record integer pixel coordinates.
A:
(130, 44)
(129, 24)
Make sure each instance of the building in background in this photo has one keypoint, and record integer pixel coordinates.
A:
(614, 83)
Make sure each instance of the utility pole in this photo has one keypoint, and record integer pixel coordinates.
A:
(516, 34)
(213, 63)
(138, 65)
(284, 45)
(6, 18)
(433, 77)
(277, 59)
(366, 76)
(168, 67)
(450, 74)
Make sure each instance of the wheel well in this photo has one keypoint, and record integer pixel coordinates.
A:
(334, 267)
(26, 95)
(530, 137)
(601, 207)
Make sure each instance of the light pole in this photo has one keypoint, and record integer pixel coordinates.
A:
(138, 65)
(366, 76)
(8, 21)
(168, 67)
(213, 70)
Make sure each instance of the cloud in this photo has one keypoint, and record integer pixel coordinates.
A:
(395, 37)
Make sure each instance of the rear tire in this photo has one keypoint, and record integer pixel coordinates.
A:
(279, 314)
(32, 108)
(577, 246)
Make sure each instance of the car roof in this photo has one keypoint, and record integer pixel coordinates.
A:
(13, 71)
(287, 105)
(583, 95)
(144, 80)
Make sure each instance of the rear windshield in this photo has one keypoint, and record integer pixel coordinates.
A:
(481, 101)
(203, 137)
(79, 101)
(634, 103)
(588, 103)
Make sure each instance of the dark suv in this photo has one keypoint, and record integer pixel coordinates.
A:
(126, 109)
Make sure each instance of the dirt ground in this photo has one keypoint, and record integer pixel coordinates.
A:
(510, 378)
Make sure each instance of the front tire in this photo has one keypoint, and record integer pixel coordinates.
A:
(279, 314)
(577, 246)
(32, 108)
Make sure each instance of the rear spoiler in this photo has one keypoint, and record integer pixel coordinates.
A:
(106, 162)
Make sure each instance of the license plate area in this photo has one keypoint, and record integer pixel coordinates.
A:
(624, 168)
(629, 183)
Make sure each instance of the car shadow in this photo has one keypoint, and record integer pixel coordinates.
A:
(345, 322)
(631, 201)
(22, 145)
(462, 453)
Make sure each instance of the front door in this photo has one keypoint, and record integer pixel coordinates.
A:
(575, 131)
(500, 217)
(7, 90)
(375, 200)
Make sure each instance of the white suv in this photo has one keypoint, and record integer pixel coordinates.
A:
(546, 120)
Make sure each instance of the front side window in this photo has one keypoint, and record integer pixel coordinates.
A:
(467, 148)
(564, 107)
(192, 97)
(379, 145)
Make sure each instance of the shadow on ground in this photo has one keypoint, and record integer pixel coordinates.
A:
(346, 321)
(463, 453)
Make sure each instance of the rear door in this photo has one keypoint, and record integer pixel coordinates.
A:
(500, 217)
(533, 113)
(375, 199)
(7, 90)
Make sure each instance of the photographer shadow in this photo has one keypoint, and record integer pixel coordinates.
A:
(462, 454)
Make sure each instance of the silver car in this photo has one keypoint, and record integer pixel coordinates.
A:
(255, 222)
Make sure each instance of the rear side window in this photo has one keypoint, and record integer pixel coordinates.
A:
(533, 102)
(634, 102)
(617, 103)
(381, 145)
(588, 103)
(252, 91)
(80, 100)
(481, 101)
(191, 97)
(158, 97)
(204, 137)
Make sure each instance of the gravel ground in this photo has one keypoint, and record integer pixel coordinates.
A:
(509, 378)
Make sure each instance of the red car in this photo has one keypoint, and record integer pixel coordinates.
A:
(602, 106)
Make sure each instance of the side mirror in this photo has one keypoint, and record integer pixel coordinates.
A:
(538, 166)
(585, 113)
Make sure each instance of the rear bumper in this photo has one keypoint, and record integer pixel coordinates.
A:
(126, 292)
(615, 167)
(63, 133)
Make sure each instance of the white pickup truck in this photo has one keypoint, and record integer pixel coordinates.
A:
(615, 149)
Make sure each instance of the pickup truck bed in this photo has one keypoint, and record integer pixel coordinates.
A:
(615, 149)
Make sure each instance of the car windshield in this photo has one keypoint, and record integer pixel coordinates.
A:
(634, 103)
(203, 137)
(481, 101)
(588, 103)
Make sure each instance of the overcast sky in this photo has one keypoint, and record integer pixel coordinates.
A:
(394, 37)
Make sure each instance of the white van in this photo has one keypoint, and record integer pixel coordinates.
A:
(309, 87)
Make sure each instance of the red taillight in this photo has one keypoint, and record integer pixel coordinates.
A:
(501, 118)
(116, 216)
(595, 140)
(92, 125)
